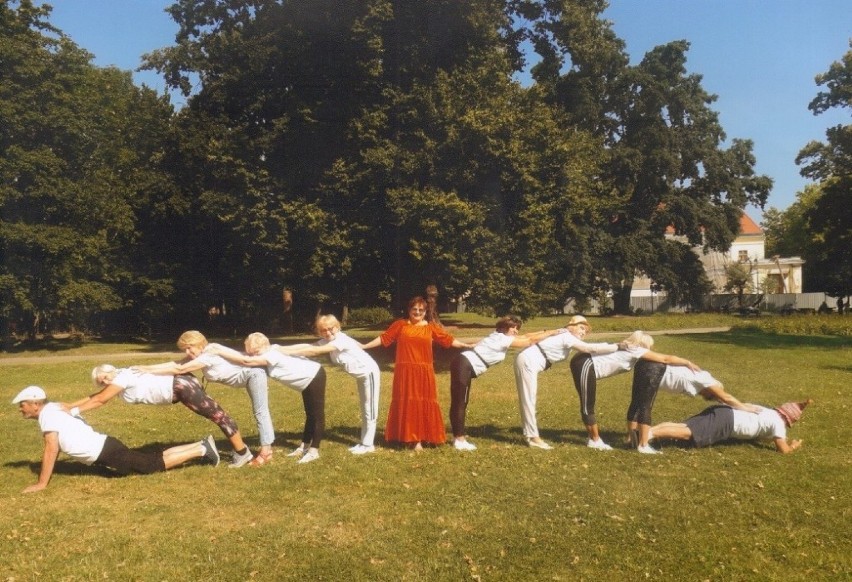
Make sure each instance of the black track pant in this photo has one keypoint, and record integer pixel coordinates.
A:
(586, 383)
(646, 381)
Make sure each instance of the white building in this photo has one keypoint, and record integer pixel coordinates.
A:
(773, 274)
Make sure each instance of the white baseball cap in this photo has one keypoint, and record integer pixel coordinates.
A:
(30, 393)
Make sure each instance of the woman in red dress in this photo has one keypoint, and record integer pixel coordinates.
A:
(415, 416)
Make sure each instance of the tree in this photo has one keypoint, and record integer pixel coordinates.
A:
(739, 280)
(788, 232)
(415, 159)
(666, 169)
(829, 253)
(73, 176)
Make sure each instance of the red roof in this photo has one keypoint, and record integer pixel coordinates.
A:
(748, 226)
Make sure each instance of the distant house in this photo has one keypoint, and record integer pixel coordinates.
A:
(773, 274)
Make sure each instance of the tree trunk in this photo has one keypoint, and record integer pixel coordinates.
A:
(621, 299)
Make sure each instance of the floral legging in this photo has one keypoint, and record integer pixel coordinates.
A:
(189, 392)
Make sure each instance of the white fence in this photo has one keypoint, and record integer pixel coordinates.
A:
(771, 302)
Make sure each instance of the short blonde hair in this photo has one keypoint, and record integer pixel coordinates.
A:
(256, 341)
(108, 369)
(192, 339)
(326, 320)
(640, 339)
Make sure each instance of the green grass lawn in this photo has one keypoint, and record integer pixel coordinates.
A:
(503, 512)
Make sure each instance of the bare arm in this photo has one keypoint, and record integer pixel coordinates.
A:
(95, 400)
(719, 394)
(595, 349)
(460, 344)
(669, 360)
(240, 358)
(782, 446)
(528, 339)
(306, 350)
(170, 368)
(374, 343)
(48, 462)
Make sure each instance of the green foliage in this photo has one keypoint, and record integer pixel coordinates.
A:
(368, 316)
(738, 279)
(800, 324)
(665, 167)
(829, 218)
(75, 175)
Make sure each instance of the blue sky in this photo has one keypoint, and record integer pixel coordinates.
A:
(759, 57)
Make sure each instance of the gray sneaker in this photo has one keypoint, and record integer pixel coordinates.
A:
(240, 460)
(211, 453)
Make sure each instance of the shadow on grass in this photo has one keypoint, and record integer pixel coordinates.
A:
(65, 468)
(689, 446)
(61, 344)
(764, 341)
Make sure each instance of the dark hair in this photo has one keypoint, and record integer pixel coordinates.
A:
(417, 301)
(504, 324)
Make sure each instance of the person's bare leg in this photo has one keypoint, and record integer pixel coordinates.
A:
(644, 434)
(181, 454)
(236, 440)
(670, 430)
(594, 433)
(631, 426)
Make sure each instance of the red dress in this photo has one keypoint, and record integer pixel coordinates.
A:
(415, 415)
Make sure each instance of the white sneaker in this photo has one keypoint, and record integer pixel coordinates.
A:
(311, 455)
(599, 445)
(464, 445)
(649, 450)
(360, 449)
(239, 460)
(298, 451)
(537, 443)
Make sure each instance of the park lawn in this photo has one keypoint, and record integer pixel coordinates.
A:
(502, 512)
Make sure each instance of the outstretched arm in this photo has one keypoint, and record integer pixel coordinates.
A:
(306, 350)
(669, 360)
(96, 400)
(170, 368)
(48, 461)
(528, 339)
(595, 349)
(460, 344)
(374, 343)
(719, 394)
(240, 358)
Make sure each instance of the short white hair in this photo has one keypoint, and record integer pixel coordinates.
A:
(107, 369)
(640, 339)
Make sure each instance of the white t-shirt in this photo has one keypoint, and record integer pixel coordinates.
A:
(218, 369)
(557, 347)
(140, 388)
(767, 424)
(294, 371)
(492, 349)
(617, 362)
(682, 380)
(349, 354)
(76, 438)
